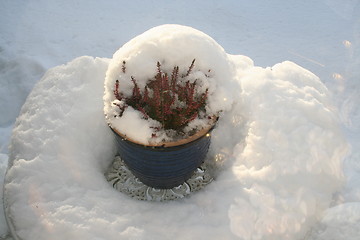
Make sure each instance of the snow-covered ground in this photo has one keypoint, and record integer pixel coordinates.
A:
(321, 36)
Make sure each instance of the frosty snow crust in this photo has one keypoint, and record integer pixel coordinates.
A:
(170, 45)
(278, 148)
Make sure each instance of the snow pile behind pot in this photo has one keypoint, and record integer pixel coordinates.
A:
(171, 45)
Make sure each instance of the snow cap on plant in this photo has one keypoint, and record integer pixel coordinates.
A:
(170, 45)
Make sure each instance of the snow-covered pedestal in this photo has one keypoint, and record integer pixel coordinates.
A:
(279, 150)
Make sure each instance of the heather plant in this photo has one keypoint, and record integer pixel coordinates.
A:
(169, 98)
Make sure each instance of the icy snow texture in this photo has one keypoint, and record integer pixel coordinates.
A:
(279, 150)
(171, 45)
(339, 222)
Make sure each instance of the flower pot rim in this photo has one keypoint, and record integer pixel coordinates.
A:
(202, 132)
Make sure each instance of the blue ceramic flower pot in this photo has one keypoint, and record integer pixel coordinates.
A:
(164, 167)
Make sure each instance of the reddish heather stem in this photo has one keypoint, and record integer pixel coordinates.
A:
(136, 90)
(174, 77)
(116, 91)
(190, 68)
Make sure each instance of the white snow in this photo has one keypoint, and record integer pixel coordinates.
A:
(134, 126)
(279, 148)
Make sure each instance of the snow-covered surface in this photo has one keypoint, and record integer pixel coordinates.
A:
(276, 184)
(322, 36)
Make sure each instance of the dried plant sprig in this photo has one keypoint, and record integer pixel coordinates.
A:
(190, 68)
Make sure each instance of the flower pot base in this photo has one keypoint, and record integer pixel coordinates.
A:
(121, 178)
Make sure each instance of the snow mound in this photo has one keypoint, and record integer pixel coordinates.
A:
(171, 45)
(340, 222)
(291, 161)
(278, 150)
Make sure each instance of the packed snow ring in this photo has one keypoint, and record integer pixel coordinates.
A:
(273, 185)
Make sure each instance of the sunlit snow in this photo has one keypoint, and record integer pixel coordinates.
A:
(285, 147)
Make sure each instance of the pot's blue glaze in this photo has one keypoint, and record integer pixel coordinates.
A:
(163, 167)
